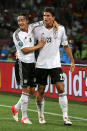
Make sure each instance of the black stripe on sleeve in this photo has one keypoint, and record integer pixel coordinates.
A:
(16, 35)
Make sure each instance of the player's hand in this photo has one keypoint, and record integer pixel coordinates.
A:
(72, 67)
(55, 25)
(42, 42)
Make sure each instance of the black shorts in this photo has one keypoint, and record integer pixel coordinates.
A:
(17, 72)
(56, 75)
(27, 74)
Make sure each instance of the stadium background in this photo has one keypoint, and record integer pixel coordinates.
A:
(70, 13)
(73, 15)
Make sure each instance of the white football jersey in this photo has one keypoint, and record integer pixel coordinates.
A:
(49, 55)
(22, 40)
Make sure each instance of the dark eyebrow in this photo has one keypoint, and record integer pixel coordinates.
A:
(47, 15)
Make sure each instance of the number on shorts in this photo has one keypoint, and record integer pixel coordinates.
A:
(61, 77)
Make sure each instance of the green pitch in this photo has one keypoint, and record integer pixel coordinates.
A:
(53, 115)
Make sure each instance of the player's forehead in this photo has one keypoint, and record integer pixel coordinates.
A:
(47, 14)
(20, 17)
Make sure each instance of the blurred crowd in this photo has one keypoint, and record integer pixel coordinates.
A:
(70, 13)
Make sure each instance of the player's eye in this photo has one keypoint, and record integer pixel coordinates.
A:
(47, 15)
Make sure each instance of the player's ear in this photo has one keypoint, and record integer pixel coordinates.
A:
(27, 21)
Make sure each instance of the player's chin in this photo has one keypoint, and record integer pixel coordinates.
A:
(46, 22)
(22, 27)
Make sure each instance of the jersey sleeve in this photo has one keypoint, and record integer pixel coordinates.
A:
(18, 40)
(14, 40)
(14, 37)
(64, 38)
(36, 24)
(34, 27)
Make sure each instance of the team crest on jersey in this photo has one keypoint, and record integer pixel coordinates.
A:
(20, 44)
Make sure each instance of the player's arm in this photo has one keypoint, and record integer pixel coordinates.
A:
(16, 54)
(36, 47)
(69, 52)
(68, 49)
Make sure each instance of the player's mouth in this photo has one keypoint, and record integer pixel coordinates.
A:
(46, 21)
(21, 26)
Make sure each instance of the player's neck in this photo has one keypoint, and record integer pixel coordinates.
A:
(25, 29)
(49, 26)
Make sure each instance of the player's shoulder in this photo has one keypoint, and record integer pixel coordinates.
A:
(61, 27)
(17, 31)
(36, 24)
(16, 34)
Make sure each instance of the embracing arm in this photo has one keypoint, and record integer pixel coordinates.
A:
(69, 52)
(36, 47)
(56, 25)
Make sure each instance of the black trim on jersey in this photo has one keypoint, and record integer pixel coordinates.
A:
(16, 34)
(39, 24)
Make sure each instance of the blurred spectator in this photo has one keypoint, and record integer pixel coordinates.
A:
(10, 57)
(71, 13)
(81, 56)
(77, 54)
(64, 57)
(84, 50)
(4, 52)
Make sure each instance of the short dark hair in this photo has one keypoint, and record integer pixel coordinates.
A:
(50, 10)
(24, 15)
